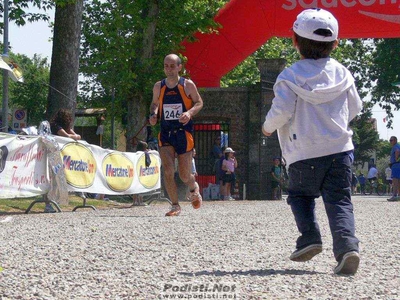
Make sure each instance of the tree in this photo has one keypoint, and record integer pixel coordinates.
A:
(365, 138)
(247, 73)
(356, 55)
(124, 44)
(64, 69)
(383, 149)
(31, 94)
(66, 43)
(18, 11)
(385, 71)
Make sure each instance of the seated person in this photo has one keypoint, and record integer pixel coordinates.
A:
(61, 124)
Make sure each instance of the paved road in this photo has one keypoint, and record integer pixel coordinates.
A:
(226, 249)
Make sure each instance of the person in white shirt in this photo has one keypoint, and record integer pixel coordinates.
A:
(315, 99)
(388, 174)
(372, 174)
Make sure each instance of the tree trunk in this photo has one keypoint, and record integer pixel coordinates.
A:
(138, 109)
(64, 68)
(137, 119)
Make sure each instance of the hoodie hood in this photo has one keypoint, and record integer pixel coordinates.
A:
(317, 81)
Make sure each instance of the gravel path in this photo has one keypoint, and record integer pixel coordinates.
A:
(235, 248)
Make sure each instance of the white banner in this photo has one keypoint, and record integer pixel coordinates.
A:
(87, 168)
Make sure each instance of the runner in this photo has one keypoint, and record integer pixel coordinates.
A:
(175, 101)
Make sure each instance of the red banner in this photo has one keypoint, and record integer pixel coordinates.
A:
(248, 24)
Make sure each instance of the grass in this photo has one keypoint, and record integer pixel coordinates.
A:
(20, 205)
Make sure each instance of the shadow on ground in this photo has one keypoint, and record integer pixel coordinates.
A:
(266, 272)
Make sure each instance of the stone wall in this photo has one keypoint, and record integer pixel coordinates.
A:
(245, 109)
(230, 105)
(269, 146)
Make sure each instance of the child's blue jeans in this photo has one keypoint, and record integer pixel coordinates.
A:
(329, 176)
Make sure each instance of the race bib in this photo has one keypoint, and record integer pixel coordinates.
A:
(172, 111)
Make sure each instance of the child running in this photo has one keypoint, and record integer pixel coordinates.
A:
(315, 99)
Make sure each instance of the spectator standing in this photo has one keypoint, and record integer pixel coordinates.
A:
(388, 175)
(276, 178)
(175, 101)
(362, 181)
(220, 176)
(229, 164)
(315, 99)
(354, 182)
(395, 166)
(216, 154)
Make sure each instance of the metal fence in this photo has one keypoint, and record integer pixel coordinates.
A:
(204, 136)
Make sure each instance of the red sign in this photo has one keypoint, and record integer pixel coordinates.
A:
(248, 24)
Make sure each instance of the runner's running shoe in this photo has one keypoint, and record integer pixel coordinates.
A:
(174, 211)
(195, 197)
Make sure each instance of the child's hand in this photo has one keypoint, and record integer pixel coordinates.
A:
(265, 133)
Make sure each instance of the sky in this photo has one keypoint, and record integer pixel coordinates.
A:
(35, 38)
(385, 133)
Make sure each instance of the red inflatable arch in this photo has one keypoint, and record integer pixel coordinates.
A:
(248, 24)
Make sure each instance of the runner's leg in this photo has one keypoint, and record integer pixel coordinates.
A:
(167, 154)
(185, 170)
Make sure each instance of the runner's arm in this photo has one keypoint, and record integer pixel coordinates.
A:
(155, 104)
(193, 93)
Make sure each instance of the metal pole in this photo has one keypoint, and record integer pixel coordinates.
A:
(5, 72)
(112, 119)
